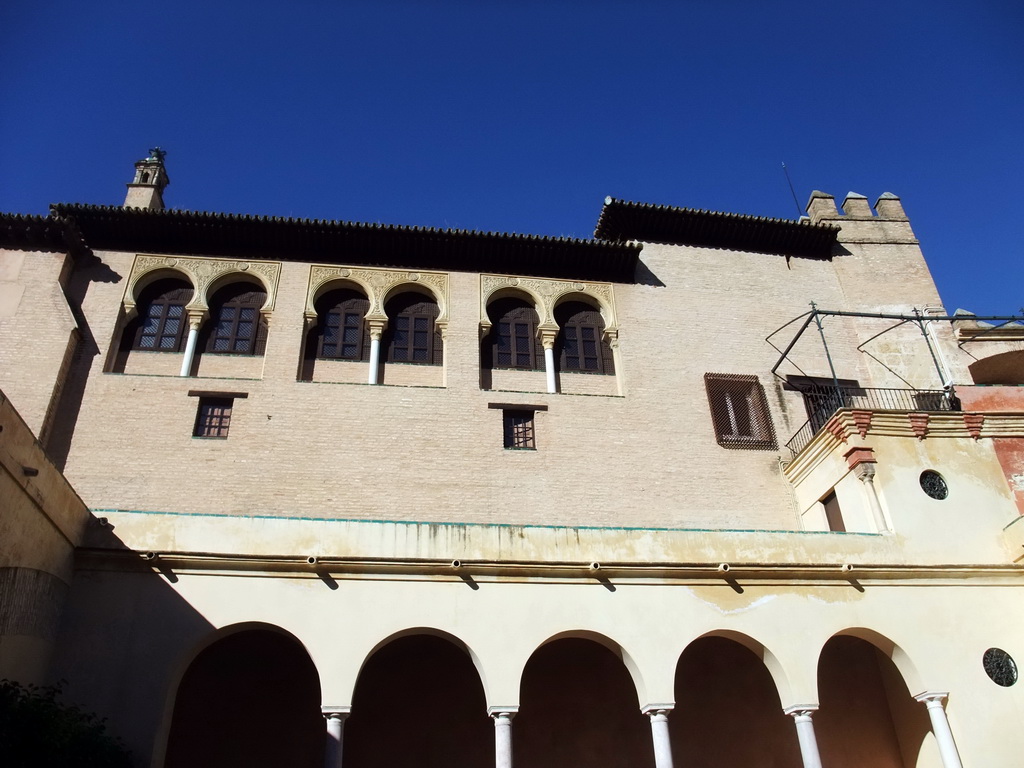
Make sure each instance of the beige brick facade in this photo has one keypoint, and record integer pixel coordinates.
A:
(656, 514)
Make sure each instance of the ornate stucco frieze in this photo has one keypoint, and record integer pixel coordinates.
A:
(546, 295)
(202, 273)
(378, 284)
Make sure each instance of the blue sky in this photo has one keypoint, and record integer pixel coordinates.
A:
(523, 116)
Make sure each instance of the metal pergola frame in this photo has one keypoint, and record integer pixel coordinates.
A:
(815, 316)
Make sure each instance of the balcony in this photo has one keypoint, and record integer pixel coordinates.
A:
(823, 402)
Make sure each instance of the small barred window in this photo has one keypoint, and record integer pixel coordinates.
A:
(519, 430)
(213, 417)
(739, 412)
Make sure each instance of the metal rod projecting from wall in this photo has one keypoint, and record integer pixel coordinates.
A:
(815, 314)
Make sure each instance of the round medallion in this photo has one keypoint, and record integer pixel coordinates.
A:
(243, 266)
(170, 262)
(578, 286)
(414, 276)
(1000, 666)
(934, 484)
(514, 281)
(346, 272)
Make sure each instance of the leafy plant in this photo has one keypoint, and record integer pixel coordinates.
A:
(39, 730)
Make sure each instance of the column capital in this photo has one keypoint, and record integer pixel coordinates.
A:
(930, 696)
(331, 711)
(661, 708)
(801, 710)
(507, 712)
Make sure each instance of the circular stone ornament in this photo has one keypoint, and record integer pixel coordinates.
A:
(934, 484)
(1000, 666)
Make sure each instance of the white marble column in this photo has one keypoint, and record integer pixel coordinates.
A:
(335, 717)
(659, 734)
(547, 340)
(194, 321)
(374, 356)
(940, 728)
(805, 735)
(502, 735)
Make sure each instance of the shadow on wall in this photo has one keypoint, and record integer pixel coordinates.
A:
(124, 639)
(68, 403)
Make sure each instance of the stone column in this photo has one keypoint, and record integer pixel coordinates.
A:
(940, 727)
(502, 734)
(659, 734)
(805, 734)
(547, 338)
(866, 474)
(195, 319)
(376, 331)
(335, 717)
(861, 459)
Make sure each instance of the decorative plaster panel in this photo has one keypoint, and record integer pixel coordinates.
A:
(547, 293)
(378, 284)
(202, 273)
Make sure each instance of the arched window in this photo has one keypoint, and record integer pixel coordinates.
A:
(580, 345)
(236, 326)
(161, 321)
(513, 337)
(342, 332)
(412, 336)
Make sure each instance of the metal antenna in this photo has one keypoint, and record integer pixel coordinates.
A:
(792, 191)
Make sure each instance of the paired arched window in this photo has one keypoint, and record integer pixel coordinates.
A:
(342, 333)
(412, 335)
(236, 326)
(512, 342)
(161, 324)
(581, 345)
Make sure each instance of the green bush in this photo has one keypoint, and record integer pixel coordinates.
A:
(38, 730)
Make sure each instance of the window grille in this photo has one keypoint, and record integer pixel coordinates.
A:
(213, 417)
(519, 430)
(342, 332)
(739, 411)
(161, 322)
(513, 339)
(237, 326)
(412, 336)
(580, 345)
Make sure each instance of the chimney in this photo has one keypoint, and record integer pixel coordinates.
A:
(146, 190)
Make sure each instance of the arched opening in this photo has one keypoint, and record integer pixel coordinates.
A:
(339, 336)
(581, 346)
(418, 703)
(728, 711)
(160, 324)
(579, 707)
(251, 698)
(511, 347)
(235, 328)
(867, 715)
(412, 348)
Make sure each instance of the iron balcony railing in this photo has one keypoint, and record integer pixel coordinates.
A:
(824, 403)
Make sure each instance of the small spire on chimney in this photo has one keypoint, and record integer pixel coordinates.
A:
(146, 190)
